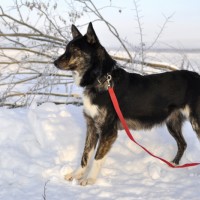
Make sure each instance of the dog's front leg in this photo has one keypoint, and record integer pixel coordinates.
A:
(90, 144)
(107, 138)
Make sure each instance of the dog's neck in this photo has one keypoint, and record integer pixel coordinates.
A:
(98, 70)
(101, 82)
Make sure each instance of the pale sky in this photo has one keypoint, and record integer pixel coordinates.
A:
(182, 32)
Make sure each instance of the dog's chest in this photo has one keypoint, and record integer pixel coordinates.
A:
(89, 108)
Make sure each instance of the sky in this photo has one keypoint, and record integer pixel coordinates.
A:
(181, 31)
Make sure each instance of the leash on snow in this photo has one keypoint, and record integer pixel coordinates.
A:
(125, 126)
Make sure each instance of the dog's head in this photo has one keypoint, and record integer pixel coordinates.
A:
(85, 56)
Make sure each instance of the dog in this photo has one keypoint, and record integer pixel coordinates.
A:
(145, 101)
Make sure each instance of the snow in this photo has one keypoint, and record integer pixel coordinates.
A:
(39, 145)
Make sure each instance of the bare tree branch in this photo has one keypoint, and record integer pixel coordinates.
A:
(25, 62)
(34, 36)
(32, 33)
(21, 23)
(25, 49)
(163, 66)
(167, 20)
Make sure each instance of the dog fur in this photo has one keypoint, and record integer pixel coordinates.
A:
(145, 101)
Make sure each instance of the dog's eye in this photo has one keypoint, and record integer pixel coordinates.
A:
(74, 50)
(72, 47)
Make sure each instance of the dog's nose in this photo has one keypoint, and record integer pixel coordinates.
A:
(55, 63)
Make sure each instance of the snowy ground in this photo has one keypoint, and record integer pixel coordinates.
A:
(40, 144)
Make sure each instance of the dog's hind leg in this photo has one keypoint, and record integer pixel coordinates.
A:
(174, 125)
(195, 119)
(90, 144)
(195, 125)
(107, 138)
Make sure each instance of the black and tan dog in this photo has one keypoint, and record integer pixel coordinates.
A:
(145, 101)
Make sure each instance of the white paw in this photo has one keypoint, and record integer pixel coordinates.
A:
(72, 176)
(87, 181)
(69, 177)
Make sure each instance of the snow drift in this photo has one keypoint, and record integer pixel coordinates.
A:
(40, 144)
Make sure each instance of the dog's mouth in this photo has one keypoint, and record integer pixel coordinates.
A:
(64, 66)
(71, 67)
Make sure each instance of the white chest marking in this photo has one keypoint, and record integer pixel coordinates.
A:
(89, 108)
(77, 78)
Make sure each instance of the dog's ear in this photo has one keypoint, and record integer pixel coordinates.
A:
(75, 31)
(91, 35)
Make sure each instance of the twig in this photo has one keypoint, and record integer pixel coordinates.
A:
(34, 36)
(25, 49)
(138, 18)
(25, 62)
(149, 64)
(167, 20)
(77, 96)
(45, 189)
(22, 23)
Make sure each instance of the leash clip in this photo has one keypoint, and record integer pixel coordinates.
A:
(109, 78)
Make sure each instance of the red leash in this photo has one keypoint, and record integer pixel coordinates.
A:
(120, 115)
